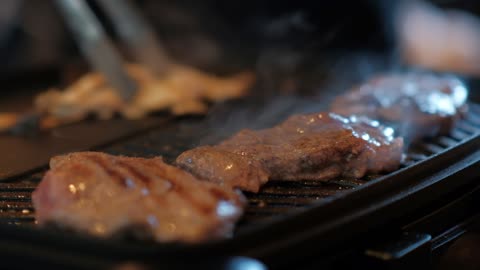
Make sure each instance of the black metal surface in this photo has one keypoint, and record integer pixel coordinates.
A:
(33, 152)
(286, 218)
(410, 250)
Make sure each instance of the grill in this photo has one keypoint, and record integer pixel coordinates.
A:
(277, 198)
(304, 213)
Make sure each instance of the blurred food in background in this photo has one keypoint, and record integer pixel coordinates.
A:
(288, 46)
(183, 90)
(442, 40)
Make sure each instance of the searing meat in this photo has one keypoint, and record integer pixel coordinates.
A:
(103, 195)
(182, 90)
(305, 147)
(417, 105)
(224, 167)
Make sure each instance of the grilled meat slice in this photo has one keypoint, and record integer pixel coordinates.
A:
(417, 105)
(224, 167)
(103, 194)
(305, 147)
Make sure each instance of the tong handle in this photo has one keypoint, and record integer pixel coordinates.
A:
(137, 34)
(96, 46)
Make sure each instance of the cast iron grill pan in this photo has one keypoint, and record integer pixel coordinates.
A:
(277, 199)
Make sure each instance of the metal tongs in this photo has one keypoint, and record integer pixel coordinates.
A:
(100, 51)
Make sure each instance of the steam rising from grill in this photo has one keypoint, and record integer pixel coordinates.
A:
(291, 82)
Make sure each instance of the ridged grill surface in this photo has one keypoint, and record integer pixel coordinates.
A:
(276, 198)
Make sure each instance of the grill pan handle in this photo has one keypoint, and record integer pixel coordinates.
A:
(410, 251)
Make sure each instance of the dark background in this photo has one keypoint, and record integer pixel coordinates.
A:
(291, 45)
(208, 32)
